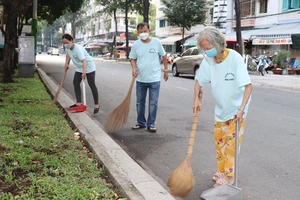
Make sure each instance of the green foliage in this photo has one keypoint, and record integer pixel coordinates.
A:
(281, 57)
(52, 10)
(39, 156)
(186, 13)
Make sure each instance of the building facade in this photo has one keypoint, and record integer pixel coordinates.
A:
(101, 27)
(267, 25)
(170, 36)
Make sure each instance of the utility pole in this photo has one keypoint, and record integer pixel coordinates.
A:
(239, 42)
(146, 10)
(34, 25)
(126, 31)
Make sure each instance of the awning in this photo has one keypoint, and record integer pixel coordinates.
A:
(190, 44)
(170, 40)
(277, 31)
(192, 41)
(246, 35)
(276, 35)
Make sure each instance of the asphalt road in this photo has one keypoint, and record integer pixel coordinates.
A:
(269, 158)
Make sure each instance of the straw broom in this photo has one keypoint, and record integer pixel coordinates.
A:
(119, 115)
(181, 181)
(60, 87)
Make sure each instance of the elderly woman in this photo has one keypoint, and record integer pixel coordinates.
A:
(231, 88)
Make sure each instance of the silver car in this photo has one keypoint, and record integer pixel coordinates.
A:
(188, 62)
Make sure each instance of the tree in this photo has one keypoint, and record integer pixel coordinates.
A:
(185, 14)
(240, 42)
(48, 10)
(12, 10)
(146, 10)
(111, 10)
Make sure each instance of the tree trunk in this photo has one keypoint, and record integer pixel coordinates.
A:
(182, 40)
(10, 44)
(239, 40)
(146, 10)
(126, 25)
(73, 25)
(115, 35)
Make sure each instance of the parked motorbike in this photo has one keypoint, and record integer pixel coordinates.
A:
(260, 63)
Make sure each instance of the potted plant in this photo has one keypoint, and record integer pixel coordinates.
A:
(280, 60)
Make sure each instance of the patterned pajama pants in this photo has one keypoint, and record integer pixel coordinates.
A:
(224, 133)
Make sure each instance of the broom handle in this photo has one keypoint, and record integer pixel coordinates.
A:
(131, 84)
(193, 133)
(194, 128)
(60, 87)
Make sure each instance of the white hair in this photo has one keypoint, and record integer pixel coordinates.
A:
(214, 36)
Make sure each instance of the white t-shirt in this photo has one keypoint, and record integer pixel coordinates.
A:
(147, 59)
(228, 80)
(77, 54)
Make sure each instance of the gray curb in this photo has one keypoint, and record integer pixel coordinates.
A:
(131, 179)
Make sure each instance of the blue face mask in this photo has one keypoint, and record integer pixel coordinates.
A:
(211, 53)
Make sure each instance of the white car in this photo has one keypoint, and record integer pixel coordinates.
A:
(188, 62)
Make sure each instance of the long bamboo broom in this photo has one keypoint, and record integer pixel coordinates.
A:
(181, 181)
(119, 115)
(60, 87)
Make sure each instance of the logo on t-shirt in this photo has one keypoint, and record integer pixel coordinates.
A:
(229, 77)
(152, 50)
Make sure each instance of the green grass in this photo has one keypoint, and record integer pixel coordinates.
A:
(40, 158)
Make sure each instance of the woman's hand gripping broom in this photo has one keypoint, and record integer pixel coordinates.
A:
(181, 181)
(119, 115)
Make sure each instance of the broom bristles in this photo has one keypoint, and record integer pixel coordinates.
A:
(119, 115)
(181, 181)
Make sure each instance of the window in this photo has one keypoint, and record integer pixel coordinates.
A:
(187, 53)
(263, 6)
(168, 48)
(195, 52)
(162, 23)
(247, 8)
(290, 4)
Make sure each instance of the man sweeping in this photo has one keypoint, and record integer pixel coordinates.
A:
(145, 62)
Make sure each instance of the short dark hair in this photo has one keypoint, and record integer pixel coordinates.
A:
(142, 24)
(68, 37)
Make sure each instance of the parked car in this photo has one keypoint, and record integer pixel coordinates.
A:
(49, 51)
(188, 62)
(54, 51)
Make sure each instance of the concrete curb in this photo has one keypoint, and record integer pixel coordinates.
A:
(131, 179)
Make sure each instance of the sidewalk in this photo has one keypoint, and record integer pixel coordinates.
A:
(131, 179)
(283, 82)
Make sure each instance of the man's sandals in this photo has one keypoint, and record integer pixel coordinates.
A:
(150, 128)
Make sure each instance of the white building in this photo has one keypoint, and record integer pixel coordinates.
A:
(171, 36)
(102, 27)
(267, 24)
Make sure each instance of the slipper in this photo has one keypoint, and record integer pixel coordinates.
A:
(151, 129)
(222, 181)
(96, 110)
(136, 127)
(217, 176)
